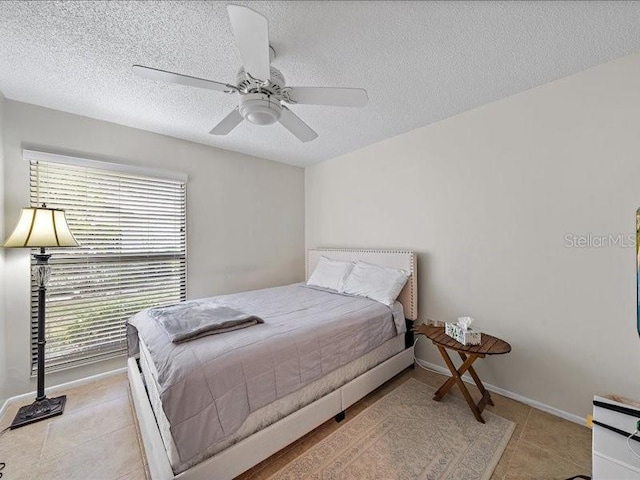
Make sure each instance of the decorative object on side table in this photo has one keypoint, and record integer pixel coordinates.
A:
(41, 227)
(489, 345)
(461, 331)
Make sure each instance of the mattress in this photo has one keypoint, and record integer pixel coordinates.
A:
(268, 414)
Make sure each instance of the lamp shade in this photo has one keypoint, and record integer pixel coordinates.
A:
(41, 227)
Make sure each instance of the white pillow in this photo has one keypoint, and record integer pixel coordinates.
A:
(376, 282)
(330, 274)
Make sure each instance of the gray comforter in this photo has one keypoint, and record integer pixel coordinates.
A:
(209, 386)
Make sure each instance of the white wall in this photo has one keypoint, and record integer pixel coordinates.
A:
(3, 316)
(486, 198)
(245, 215)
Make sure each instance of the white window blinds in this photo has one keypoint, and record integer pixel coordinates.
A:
(132, 255)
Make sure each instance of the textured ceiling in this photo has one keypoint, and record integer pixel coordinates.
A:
(420, 61)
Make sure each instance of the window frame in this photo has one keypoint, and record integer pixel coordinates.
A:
(130, 172)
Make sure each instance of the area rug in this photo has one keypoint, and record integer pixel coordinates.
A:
(407, 435)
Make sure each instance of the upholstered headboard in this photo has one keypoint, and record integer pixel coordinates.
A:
(403, 259)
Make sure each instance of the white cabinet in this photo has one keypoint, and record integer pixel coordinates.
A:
(612, 459)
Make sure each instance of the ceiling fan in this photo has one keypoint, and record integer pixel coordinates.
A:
(261, 87)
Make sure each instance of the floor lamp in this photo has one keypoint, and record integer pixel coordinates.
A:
(41, 227)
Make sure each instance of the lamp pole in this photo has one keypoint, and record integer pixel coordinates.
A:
(42, 272)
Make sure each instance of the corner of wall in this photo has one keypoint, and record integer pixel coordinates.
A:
(3, 311)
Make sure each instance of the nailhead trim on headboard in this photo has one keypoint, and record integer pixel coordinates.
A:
(412, 293)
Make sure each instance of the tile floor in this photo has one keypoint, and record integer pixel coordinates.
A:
(96, 439)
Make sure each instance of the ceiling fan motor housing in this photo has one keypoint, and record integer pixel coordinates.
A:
(260, 108)
(273, 85)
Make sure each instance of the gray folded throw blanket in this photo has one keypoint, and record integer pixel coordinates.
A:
(190, 320)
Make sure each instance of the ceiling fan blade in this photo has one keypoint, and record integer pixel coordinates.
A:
(251, 30)
(295, 125)
(170, 77)
(342, 97)
(228, 123)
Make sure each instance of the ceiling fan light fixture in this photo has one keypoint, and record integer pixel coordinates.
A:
(260, 109)
(258, 116)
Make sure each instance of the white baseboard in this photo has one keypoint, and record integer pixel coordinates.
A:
(62, 386)
(506, 393)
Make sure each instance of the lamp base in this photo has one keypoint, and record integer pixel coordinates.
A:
(39, 410)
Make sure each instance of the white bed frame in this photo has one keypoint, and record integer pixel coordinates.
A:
(252, 450)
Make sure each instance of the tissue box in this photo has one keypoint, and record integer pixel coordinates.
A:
(465, 337)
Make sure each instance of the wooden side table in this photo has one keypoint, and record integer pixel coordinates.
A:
(489, 346)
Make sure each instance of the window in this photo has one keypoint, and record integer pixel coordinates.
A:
(131, 226)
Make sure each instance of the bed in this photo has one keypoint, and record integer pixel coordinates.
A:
(197, 437)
